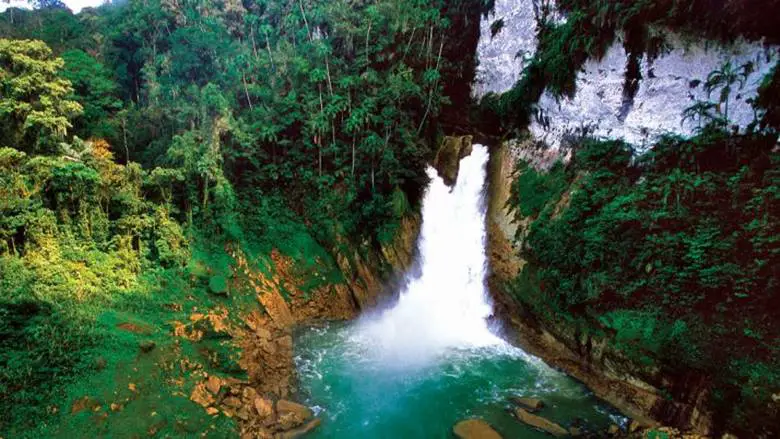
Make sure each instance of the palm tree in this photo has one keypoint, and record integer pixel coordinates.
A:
(700, 111)
(724, 78)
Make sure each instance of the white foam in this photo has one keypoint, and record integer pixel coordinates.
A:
(447, 305)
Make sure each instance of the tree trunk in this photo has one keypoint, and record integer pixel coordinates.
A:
(268, 46)
(353, 155)
(368, 34)
(430, 95)
(124, 135)
(246, 91)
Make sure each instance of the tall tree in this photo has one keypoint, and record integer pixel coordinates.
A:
(34, 104)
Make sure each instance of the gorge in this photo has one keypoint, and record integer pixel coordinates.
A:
(390, 218)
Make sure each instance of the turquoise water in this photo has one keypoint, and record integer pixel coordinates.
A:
(359, 392)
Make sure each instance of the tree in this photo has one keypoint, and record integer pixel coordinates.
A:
(700, 111)
(724, 78)
(94, 88)
(34, 100)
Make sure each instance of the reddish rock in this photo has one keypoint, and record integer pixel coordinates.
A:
(213, 384)
(475, 429)
(541, 423)
(284, 406)
(264, 407)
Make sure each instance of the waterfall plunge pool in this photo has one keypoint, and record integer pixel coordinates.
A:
(416, 368)
(359, 394)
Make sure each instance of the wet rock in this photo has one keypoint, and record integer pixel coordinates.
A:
(447, 161)
(540, 423)
(211, 410)
(284, 407)
(300, 431)
(288, 421)
(613, 430)
(530, 404)
(475, 429)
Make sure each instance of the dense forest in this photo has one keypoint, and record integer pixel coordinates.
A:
(673, 254)
(142, 139)
(142, 142)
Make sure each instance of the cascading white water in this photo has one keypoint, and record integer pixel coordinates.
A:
(447, 305)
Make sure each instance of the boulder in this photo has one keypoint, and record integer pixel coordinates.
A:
(264, 407)
(475, 429)
(530, 404)
(541, 423)
(201, 396)
(213, 383)
(447, 161)
(232, 402)
(300, 411)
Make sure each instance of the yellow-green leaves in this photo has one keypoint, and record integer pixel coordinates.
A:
(33, 97)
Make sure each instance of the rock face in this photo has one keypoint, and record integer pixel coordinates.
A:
(447, 161)
(475, 429)
(668, 85)
(265, 334)
(541, 423)
(502, 57)
(632, 389)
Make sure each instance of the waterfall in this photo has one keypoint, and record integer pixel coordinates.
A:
(447, 305)
(417, 367)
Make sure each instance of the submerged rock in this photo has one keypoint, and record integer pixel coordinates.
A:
(475, 429)
(541, 423)
(530, 404)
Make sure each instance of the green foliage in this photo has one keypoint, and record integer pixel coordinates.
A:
(533, 189)
(674, 254)
(34, 107)
(97, 92)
